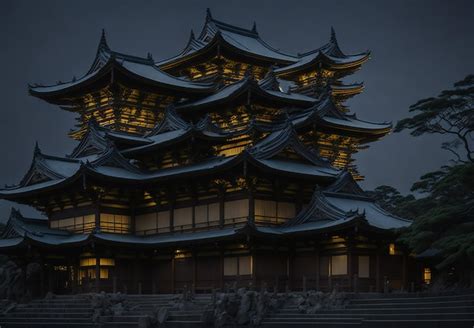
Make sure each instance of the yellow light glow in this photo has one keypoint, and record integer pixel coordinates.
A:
(427, 276)
(391, 249)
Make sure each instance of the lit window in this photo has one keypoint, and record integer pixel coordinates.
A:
(230, 266)
(364, 267)
(391, 249)
(114, 223)
(87, 262)
(238, 266)
(245, 265)
(427, 276)
(104, 273)
(107, 262)
(338, 265)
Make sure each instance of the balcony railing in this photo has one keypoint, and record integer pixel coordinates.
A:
(200, 226)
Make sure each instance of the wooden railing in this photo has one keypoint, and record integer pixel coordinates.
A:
(201, 226)
(105, 226)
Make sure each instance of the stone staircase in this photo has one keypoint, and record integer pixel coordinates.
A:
(141, 306)
(387, 311)
(61, 311)
(363, 311)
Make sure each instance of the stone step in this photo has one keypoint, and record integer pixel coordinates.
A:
(55, 310)
(47, 325)
(314, 320)
(45, 319)
(414, 304)
(123, 318)
(412, 298)
(120, 325)
(284, 324)
(183, 324)
(444, 316)
(49, 314)
(429, 323)
(58, 306)
(455, 309)
(184, 317)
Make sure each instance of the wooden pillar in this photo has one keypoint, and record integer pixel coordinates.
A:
(221, 208)
(350, 263)
(289, 269)
(136, 272)
(377, 273)
(171, 215)
(404, 271)
(195, 258)
(254, 267)
(221, 266)
(317, 269)
(97, 274)
(193, 213)
(251, 217)
(133, 202)
(173, 284)
(97, 215)
(50, 278)
(42, 278)
(73, 275)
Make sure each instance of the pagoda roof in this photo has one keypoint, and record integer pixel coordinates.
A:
(108, 64)
(326, 113)
(217, 34)
(335, 208)
(172, 129)
(55, 172)
(330, 54)
(245, 89)
(97, 139)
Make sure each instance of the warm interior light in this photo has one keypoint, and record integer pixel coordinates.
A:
(391, 249)
(427, 276)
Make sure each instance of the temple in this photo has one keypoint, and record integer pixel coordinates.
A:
(231, 162)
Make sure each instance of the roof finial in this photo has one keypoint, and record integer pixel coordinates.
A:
(103, 41)
(149, 56)
(37, 148)
(333, 35)
(254, 27)
(208, 14)
(191, 36)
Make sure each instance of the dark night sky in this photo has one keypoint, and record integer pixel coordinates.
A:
(418, 48)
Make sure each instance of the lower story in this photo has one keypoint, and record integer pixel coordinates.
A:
(348, 264)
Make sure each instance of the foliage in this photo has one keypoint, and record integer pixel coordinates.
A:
(447, 223)
(451, 113)
(443, 211)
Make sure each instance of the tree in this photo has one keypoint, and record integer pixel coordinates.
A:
(447, 225)
(444, 214)
(451, 113)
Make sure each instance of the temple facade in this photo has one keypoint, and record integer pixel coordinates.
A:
(229, 163)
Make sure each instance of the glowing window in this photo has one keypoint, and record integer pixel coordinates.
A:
(245, 265)
(87, 262)
(104, 273)
(391, 249)
(107, 262)
(338, 265)
(427, 276)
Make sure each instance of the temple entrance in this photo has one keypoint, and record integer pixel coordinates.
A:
(61, 281)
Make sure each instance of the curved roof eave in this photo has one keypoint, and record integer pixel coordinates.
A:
(134, 71)
(219, 40)
(335, 63)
